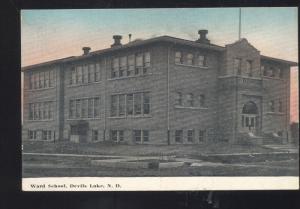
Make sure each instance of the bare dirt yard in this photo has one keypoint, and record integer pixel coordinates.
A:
(217, 159)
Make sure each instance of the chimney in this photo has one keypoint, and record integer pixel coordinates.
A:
(203, 38)
(129, 35)
(117, 39)
(86, 50)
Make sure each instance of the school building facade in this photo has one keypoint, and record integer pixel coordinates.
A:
(162, 90)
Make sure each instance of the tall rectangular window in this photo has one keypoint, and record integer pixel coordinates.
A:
(114, 105)
(145, 135)
(31, 86)
(96, 107)
(52, 78)
(237, 66)
(146, 105)
(79, 74)
(178, 98)
(36, 80)
(202, 101)
(202, 60)
(123, 67)
(179, 136)
(47, 79)
(139, 64)
(280, 108)
(31, 111)
(190, 135)
(84, 108)
(90, 108)
(190, 59)
(122, 105)
(91, 77)
(249, 67)
(72, 109)
(202, 134)
(190, 100)
(115, 68)
(95, 135)
(73, 76)
(40, 105)
(97, 72)
(42, 80)
(272, 106)
(146, 62)
(78, 108)
(178, 58)
(129, 104)
(85, 73)
(114, 135)
(131, 64)
(137, 134)
(121, 135)
(137, 103)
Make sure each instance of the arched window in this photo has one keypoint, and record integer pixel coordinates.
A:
(250, 108)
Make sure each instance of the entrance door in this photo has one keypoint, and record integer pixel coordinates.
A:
(79, 132)
(250, 118)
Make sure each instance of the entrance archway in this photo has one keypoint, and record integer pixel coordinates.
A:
(250, 117)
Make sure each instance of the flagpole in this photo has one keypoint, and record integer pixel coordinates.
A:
(240, 25)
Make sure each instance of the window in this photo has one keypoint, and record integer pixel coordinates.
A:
(97, 72)
(137, 134)
(114, 105)
(129, 104)
(72, 109)
(79, 74)
(122, 105)
(115, 68)
(179, 98)
(146, 62)
(178, 58)
(139, 64)
(36, 80)
(140, 136)
(249, 67)
(73, 76)
(41, 80)
(96, 107)
(117, 135)
(85, 72)
(47, 79)
(201, 61)
(44, 135)
(237, 64)
(121, 135)
(51, 78)
(280, 73)
(190, 135)
(178, 136)
(280, 108)
(114, 135)
(95, 135)
(202, 134)
(31, 85)
(78, 104)
(190, 58)
(137, 103)
(84, 108)
(32, 134)
(190, 100)
(202, 101)
(272, 106)
(131, 64)
(270, 72)
(91, 77)
(31, 111)
(90, 108)
(145, 135)
(123, 67)
(146, 98)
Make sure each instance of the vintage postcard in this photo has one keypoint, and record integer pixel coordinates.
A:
(160, 99)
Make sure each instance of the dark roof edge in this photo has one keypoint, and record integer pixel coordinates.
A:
(128, 45)
(290, 63)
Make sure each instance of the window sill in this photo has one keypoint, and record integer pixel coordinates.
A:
(49, 120)
(274, 113)
(83, 84)
(73, 119)
(129, 117)
(194, 66)
(272, 78)
(41, 89)
(128, 77)
(191, 108)
(41, 140)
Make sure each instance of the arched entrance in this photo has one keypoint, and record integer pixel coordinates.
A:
(250, 117)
